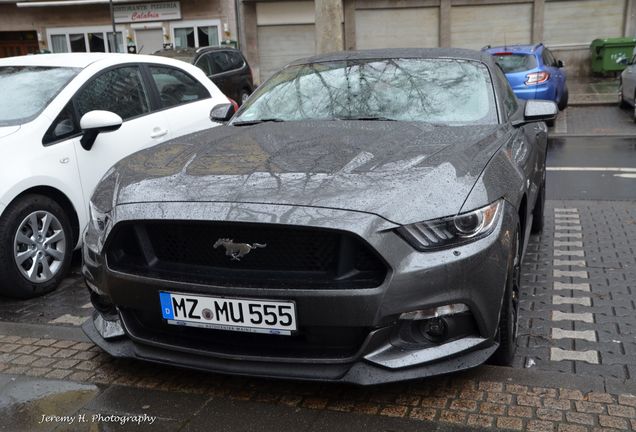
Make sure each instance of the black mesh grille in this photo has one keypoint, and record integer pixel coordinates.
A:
(284, 256)
(310, 341)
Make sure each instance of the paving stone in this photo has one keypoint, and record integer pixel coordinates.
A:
(511, 423)
(581, 418)
(481, 421)
(621, 411)
(520, 411)
(456, 417)
(612, 422)
(549, 414)
(423, 413)
(540, 426)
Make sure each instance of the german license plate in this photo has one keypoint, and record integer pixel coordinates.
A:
(245, 315)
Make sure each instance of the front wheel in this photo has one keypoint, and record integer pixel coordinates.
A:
(563, 101)
(509, 319)
(36, 245)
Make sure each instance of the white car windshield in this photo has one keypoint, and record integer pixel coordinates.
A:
(441, 91)
(26, 90)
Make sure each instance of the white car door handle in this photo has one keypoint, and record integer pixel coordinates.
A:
(158, 133)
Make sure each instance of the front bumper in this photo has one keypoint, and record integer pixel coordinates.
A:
(472, 274)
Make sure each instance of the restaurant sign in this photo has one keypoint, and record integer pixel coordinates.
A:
(142, 12)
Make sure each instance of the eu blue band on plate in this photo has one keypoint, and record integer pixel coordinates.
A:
(166, 305)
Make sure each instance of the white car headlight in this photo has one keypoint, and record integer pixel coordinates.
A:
(454, 230)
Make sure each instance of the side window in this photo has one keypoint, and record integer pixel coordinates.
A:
(176, 87)
(236, 60)
(548, 58)
(64, 126)
(118, 90)
(203, 63)
(222, 61)
(509, 99)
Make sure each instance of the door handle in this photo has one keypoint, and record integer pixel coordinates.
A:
(158, 133)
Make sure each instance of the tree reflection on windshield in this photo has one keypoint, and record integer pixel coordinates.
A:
(428, 90)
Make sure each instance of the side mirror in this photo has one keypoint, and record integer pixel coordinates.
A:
(222, 112)
(560, 63)
(540, 110)
(95, 122)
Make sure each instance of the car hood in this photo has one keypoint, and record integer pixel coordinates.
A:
(8, 130)
(404, 172)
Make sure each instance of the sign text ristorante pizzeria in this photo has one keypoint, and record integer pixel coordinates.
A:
(142, 12)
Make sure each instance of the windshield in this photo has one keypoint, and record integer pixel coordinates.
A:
(511, 63)
(26, 90)
(422, 90)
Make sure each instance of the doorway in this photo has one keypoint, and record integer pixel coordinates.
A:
(149, 40)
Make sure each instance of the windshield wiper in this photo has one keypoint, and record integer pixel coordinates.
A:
(257, 121)
(367, 118)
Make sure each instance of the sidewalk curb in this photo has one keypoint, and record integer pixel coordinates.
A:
(26, 330)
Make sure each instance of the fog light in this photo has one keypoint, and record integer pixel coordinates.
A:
(435, 328)
(440, 311)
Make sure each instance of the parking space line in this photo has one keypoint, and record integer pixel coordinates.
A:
(570, 273)
(567, 235)
(558, 354)
(570, 316)
(588, 335)
(578, 253)
(559, 243)
(567, 221)
(566, 210)
(571, 286)
(583, 301)
(567, 228)
(573, 263)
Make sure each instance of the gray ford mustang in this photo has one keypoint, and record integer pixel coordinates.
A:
(362, 218)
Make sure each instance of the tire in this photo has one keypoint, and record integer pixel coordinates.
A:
(621, 101)
(563, 102)
(244, 95)
(537, 212)
(508, 321)
(45, 256)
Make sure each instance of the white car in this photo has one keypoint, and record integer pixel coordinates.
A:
(65, 119)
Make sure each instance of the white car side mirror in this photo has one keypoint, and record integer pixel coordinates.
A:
(94, 122)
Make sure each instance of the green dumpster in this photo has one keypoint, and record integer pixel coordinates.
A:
(607, 53)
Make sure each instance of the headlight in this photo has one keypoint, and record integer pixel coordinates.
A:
(452, 231)
(99, 218)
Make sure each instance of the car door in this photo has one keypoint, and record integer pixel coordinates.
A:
(222, 65)
(183, 98)
(122, 91)
(555, 71)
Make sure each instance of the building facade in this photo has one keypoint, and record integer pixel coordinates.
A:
(275, 32)
(142, 27)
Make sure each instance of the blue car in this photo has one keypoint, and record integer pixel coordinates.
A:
(533, 72)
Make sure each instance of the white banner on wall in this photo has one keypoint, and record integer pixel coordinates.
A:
(142, 12)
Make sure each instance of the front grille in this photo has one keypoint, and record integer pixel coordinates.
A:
(292, 257)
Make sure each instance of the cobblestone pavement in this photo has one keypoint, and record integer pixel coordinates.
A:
(578, 312)
(593, 90)
(485, 398)
(595, 121)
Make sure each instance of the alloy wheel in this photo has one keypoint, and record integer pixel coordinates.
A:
(39, 246)
(516, 283)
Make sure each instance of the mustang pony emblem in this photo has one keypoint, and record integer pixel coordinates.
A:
(236, 251)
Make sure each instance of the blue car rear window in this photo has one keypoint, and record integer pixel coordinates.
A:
(510, 62)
